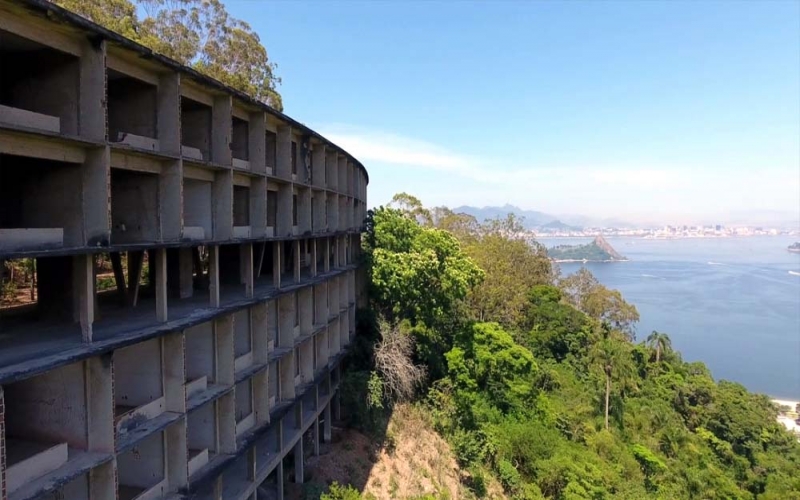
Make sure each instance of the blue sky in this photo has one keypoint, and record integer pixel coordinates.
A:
(641, 110)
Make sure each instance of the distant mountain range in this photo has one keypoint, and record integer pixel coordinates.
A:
(533, 219)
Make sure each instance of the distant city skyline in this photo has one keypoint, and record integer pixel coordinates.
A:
(643, 111)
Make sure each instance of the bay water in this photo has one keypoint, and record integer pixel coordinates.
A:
(732, 303)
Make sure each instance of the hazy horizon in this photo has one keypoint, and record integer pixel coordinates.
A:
(641, 111)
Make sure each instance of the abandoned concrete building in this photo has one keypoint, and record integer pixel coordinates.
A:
(196, 273)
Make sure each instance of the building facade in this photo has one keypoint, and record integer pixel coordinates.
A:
(195, 256)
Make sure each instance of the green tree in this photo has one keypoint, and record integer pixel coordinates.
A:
(513, 265)
(197, 33)
(660, 343)
(612, 358)
(584, 292)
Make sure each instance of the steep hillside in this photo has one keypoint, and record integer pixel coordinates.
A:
(412, 462)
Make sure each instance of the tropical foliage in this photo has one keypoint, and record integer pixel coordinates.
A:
(538, 380)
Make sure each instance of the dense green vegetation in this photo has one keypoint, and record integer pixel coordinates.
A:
(539, 380)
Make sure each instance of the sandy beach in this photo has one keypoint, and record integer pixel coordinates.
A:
(789, 420)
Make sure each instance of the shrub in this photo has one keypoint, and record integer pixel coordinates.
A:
(508, 475)
(339, 492)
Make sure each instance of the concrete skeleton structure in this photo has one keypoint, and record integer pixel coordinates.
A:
(234, 236)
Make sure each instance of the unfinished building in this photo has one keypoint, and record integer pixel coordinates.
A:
(194, 273)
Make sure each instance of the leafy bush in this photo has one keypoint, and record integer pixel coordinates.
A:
(508, 475)
(339, 492)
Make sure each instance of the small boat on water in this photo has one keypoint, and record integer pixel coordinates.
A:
(794, 247)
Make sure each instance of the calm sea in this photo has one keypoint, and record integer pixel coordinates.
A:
(729, 302)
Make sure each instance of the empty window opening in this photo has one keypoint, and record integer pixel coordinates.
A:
(39, 441)
(138, 386)
(195, 129)
(245, 418)
(40, 204)
(132, 111)
(271, 153)
(134, 207)
(38, 86)
(141, 470)
(200, 358)
(243, 339)
(263, 264)
(241, 206)
(197, 211)
(239, 146)
(202, 436)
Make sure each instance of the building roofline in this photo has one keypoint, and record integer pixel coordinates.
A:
(51, 10)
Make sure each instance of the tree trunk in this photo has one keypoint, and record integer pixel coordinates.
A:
(658, 353)
(608, 394)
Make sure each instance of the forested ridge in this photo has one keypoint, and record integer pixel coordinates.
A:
(539, 381)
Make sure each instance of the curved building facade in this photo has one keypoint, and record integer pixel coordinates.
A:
(196, 259)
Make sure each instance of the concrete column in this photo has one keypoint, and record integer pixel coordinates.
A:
(103, 481)
(83, 293)
(170, 200)
(327, 255)
(2, 445)
(95, 181)
(227, 423)
(160, 257)
(213, 275)
(283, 148)
(100, 405)
(336, 406)
(276, 264)
(169, 115)
(318, 164)
(326, 423)
(251, 463)
(331, 176)
(222, 200)
(296, 245)
(279, 477)
(185, 277)
(177, 459)
(258, 207)
(298, 461)
(316, 436)
(314, 257)
(246, 268)
(221, 130)
(92, 112)
(174, 372)
(257, 142)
